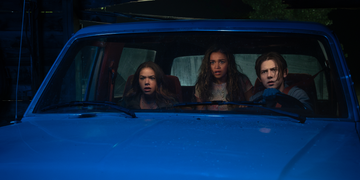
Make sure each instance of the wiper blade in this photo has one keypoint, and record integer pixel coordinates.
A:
(87, 103)
(296, 116)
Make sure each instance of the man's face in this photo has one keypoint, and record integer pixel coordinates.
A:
(269, 75)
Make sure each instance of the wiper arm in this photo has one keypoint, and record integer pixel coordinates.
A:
(87, 103)
(296, 116)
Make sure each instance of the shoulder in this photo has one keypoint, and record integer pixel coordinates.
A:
(302, 96)
(298, 93)
(197, 90)
(167, 105)
(132, 102)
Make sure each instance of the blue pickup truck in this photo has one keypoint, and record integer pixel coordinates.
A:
(77, 126)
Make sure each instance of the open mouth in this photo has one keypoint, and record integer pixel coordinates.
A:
(147, 89)
(271, 83)
(217, 72)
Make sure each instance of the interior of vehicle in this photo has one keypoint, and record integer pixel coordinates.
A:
(101, 68)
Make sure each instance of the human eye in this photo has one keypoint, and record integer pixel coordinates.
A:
(152, 77)
(142, 78)
(212, 62)
(263, 72)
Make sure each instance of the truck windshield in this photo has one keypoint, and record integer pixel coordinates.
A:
(104, 69)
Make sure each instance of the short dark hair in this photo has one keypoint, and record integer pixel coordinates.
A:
(280, 62)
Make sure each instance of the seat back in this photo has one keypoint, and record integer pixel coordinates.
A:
(172, 83)
(188, 93)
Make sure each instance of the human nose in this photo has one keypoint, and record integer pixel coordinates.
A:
(217, 65)
(147, 81)
(270, 74)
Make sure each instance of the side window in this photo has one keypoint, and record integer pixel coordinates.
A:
(74, 80)
(130, 59)
(83, 67)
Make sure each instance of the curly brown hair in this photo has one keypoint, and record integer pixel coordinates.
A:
(235, 84)
(162, 95)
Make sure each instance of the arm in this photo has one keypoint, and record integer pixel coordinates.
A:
(301, 95)
(198, 107)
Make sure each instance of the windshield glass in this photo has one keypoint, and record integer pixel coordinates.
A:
(164, 72)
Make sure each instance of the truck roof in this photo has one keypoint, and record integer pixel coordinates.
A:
(205, 25)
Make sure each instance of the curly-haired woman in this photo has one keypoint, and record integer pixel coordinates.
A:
(220, 80)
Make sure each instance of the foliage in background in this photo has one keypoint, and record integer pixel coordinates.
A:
(275, 10)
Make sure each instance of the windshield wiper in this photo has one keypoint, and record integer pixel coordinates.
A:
(89, 103)
(296, 116)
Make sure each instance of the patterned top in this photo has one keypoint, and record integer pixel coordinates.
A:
(219, 93)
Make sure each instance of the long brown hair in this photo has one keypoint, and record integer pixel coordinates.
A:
(235, 84)
(162, 95)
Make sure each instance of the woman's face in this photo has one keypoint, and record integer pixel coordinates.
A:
(219, 66)
(147, 81)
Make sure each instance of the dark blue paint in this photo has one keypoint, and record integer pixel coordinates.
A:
(177, 147)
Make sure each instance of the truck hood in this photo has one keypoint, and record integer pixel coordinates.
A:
(179, 146)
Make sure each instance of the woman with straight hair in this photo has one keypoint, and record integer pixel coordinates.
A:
(148, 89)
